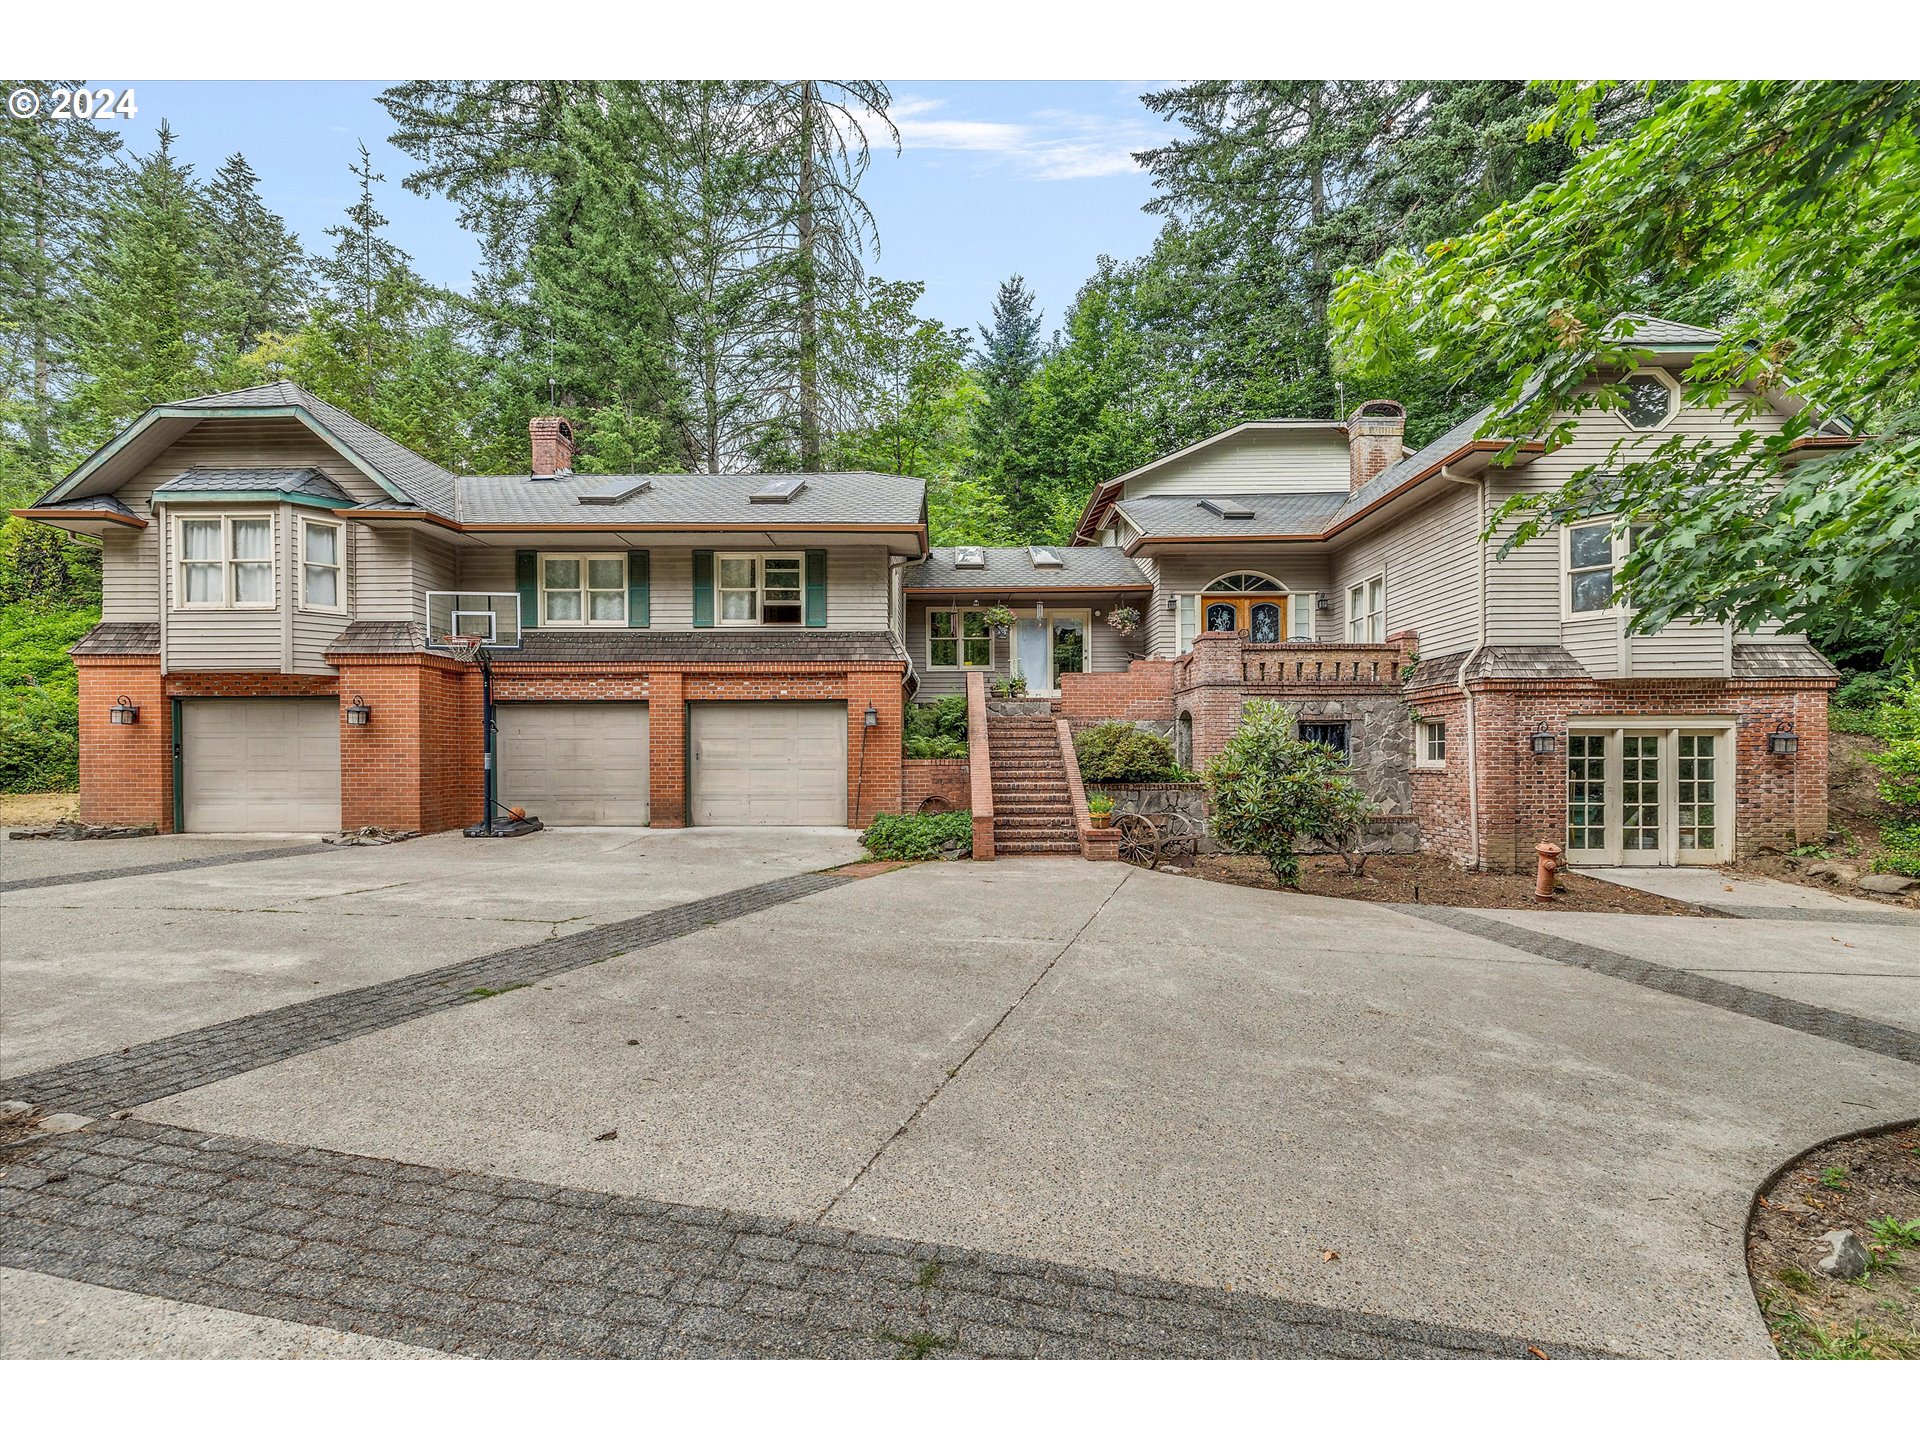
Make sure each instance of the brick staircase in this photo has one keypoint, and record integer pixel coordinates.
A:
(1032, 807)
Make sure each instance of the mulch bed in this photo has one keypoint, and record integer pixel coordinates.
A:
(1847, 1185)
(1423, 879)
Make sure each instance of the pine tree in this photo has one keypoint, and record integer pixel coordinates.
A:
(369, 303)
(149, 303)
(261, 267)
(1006, 360)
(55, 175)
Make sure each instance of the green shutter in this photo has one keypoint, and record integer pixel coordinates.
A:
(817, 589)
(638, 608)
(526, 579)
(702, 589)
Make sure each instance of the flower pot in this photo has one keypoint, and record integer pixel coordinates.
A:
(1102, 822)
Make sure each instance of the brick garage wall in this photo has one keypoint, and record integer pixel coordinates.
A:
(416, 764)
(126, 771)
(1143, 692)
(1777, 802)
(922, 780)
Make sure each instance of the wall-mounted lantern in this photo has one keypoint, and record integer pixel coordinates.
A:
(1783, 740)
(1543, 742)
(871, 718)
(1173, 603)
(124, 712)
(359, 712)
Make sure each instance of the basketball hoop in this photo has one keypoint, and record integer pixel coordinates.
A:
(463, 647)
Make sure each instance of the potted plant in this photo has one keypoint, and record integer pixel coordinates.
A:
(1100, 811)
(1018, 684)
(1124, 618)
(1000, 618)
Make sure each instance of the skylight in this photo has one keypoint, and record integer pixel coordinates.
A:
(970, 557)
(614, 491)
(778, 490)
(1227, 509)
(1045, 555)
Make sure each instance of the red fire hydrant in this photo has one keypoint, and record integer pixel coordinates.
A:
(1549, 854)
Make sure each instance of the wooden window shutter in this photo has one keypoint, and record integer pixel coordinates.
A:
(526, 579)
(702, 589)
(817, 589)
(638, 575)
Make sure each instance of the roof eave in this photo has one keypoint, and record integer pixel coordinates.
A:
(54, 515)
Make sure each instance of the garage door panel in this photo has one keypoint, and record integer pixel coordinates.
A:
(575, 763)
(265, 764)
(769, 763)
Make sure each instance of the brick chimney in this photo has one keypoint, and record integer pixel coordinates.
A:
(552, 445)
(1373, 440)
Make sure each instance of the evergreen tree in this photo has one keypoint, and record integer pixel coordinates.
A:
(369, 300)
(56, 174)
(910, 387)
(262, 270)
(1007, 359)
(149, 304)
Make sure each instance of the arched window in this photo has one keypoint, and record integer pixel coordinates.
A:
(1246, 582)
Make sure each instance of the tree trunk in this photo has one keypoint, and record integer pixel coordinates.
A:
(806, 235)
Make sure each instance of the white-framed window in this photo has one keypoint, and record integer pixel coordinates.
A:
(1430, 745)
(225, 562)
(1186, 623)
(1652, 398)
(1367, 611)
(1594, 550)
(323, 565)
(756, 589)
(583, 589)
(959, 640)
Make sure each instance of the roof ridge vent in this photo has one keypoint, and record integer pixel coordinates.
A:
(1227, 509)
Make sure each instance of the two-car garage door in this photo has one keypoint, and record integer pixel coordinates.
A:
(263, 764)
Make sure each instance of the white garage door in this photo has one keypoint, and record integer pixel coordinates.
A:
(574, 763)
(769, 763)
(260, 764)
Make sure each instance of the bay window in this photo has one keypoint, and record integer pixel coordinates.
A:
(224, 562)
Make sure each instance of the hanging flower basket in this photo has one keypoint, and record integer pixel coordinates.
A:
(1000, 618)
(1124, 618)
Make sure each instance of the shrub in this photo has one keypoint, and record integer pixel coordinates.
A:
(917, 837)
(39, 697)
(1898, 724)
(1268, 791)
(937, 731)
(1116, 753)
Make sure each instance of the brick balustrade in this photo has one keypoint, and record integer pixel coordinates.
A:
(980, 763)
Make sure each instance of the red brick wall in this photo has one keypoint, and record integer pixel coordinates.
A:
(1440, 796)
(416, 764)
(1143, 691)
(948, 780)
(126, 771)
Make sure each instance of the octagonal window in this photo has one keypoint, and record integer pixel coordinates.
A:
(1650, 400)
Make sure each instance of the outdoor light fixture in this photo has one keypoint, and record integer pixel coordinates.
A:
(1783, 740)
(359, 712)
(1173, 603)
(1039, 609)
(1543, 743)
(124, 712)
(872, 717)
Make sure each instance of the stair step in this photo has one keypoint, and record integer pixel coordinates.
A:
(1062, 847)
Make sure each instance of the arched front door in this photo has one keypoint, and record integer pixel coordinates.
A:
(1248, 602)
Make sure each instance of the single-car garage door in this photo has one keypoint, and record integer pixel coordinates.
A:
(574, 763)
(769, 763)
(260, 764)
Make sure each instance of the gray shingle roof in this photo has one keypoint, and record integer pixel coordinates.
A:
(1498, 662)
(424, 482)
(1273, 514)
(302, 481)
(706, 647)
(1781, 660)
(120, 637)
(1082, 567)
(852, 497)
(1636, 329)
(106, 504)
(379, 637)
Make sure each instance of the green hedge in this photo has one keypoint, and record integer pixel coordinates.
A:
(917, 837)
(1117, 753)
(39, 699)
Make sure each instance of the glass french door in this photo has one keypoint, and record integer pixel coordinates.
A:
(1646, 796)
(1265, 621)
(1044, 649)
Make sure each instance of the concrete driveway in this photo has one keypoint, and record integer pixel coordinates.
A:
(1083, 1064)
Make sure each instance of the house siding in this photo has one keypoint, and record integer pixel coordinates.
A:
(1254, 463)
(1107, 648)
(1301, 570)
(1429, 560)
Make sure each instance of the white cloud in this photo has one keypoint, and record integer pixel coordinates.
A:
(1047, 145)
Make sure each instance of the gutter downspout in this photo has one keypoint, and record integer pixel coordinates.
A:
(1473, 729)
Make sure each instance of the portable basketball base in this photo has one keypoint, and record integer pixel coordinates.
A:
(468, 626)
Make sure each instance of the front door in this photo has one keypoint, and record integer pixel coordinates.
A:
(1045, 648)
(1264, 618)
(1647, 797)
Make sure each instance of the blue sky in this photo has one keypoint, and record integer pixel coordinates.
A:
(992, 178)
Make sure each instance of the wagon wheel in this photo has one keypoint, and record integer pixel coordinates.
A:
(1139, 840)
(1182, 841)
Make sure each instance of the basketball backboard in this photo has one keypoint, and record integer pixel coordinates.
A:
(490, 616)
